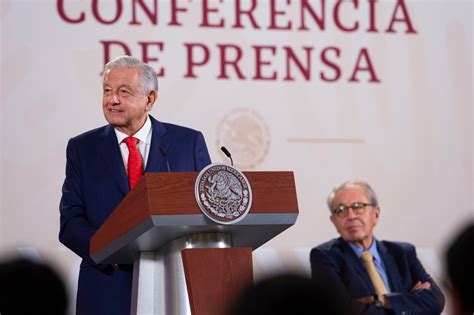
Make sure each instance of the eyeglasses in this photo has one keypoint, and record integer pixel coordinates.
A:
(357, 207)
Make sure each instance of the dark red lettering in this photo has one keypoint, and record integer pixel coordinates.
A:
(405, 18)
(226, 61)
(274, 13)
(306, 7)
(259, 62)
(291, 56)
(206, 11)
(107, 44)
(372, 27)
(118, 12)
(62, 13)
(151, 13)
(364, 54)
(325, 60)
(337, 19)
(239, 12)
(191, 62)
(174, 13)
(147, 59)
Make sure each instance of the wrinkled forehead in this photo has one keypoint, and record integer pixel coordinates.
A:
(349, 195)
(122, 75)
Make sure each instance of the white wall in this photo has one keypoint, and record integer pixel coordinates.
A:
(410, 135)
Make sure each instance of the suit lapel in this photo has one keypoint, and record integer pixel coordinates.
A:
(356, 262)
(159, 138)
(110, 152)
(391, 267)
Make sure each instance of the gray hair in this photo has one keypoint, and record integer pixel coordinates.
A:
(147, 73)
(368, 191)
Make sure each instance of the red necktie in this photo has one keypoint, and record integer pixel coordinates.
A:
(134, 164)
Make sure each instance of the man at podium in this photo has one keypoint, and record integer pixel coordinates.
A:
(104, 164)
(375, 277)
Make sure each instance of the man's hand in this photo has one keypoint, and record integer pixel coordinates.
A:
(420, 286)
(371, 300)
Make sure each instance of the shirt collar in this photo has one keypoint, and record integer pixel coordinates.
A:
(372, 249)
(141, 134)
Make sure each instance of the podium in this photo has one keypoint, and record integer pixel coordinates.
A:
(185, 263)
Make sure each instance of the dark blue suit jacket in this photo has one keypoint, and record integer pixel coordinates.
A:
(335, 261)
(96, 181)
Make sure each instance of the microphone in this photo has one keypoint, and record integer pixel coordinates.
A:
(163, 152)
(227, 153)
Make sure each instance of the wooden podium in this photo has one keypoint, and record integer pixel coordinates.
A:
(185, 263)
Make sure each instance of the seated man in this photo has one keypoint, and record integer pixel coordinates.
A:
(374, 277)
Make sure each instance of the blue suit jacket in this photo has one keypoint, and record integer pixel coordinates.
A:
(96, 181)
(335, 261)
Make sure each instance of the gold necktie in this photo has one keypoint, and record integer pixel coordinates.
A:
(379, 285)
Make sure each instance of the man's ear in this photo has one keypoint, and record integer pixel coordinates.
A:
(151, 99)
(377, 212)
